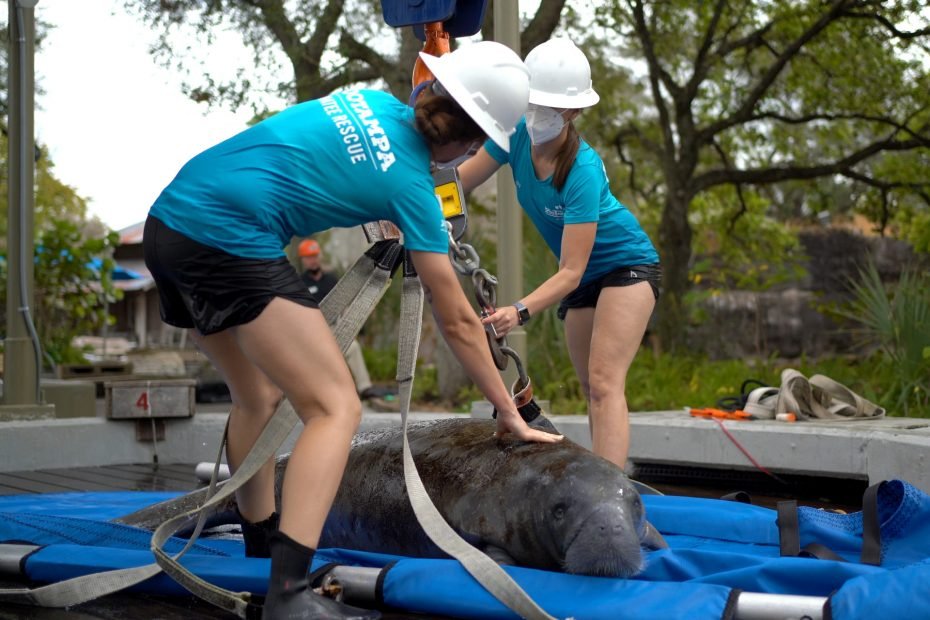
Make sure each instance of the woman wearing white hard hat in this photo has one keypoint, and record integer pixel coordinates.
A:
(214, 243)
(608, 277)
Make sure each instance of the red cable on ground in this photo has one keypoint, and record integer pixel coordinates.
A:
(746, 452)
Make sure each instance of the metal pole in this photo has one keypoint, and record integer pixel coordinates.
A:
(509, 214)
(21, 374)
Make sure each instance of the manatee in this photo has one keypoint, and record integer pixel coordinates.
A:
(549, 506)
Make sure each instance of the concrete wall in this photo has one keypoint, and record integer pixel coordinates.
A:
(869, 450)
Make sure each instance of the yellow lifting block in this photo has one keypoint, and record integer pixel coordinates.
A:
(450, 199)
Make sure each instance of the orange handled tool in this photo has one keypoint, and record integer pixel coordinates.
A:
(720, 414)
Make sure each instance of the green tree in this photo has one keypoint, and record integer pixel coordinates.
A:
(73, 284)
(320, 46)
(751, 94)
(69, 295)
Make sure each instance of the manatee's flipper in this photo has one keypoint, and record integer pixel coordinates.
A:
(498, 555)
(645, 489)
(652, 539)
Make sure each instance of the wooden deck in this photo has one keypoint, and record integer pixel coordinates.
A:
(116, 478)
(176, 477)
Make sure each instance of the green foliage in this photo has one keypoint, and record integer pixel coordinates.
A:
(426, 384)
(739, 246)
(915, 228)
(381, 363)
(898, 320)
(53, 199)
(71, 296)
(763, 95)
(670, 382)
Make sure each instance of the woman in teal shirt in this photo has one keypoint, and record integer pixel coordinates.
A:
(213, 242)
(607, 282)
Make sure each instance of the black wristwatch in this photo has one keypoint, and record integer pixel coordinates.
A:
(523, 315)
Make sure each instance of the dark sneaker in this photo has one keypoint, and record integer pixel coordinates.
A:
(377, 391)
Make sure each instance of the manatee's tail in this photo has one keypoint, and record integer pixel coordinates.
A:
(151, 517)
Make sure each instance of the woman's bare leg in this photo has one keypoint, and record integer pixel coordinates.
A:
(294, 347)
(614, 333)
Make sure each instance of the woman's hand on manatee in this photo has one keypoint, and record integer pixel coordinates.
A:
(514, 425)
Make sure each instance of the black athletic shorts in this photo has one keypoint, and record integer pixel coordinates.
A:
(585, 296)
(203, 287)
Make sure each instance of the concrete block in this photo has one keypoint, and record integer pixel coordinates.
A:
(159, 398)
(72, 398)
(93, 370)
(26, 413)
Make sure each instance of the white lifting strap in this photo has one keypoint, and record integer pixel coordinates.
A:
(485, 570)
(346, 308)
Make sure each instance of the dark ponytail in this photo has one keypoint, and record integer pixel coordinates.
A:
(566, 157)
(442, 121)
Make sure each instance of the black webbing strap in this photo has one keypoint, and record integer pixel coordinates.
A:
(789, 537)
(871, 530)
(819, 552)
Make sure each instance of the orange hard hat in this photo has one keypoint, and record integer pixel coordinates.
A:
(308, 247)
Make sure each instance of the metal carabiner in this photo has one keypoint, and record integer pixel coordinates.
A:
(523, 379)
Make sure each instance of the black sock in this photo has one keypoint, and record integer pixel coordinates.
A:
(256, 536)
(290, 562)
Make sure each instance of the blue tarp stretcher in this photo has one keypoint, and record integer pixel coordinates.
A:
(717, 550)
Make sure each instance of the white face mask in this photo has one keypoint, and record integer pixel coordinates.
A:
(461, 159)
(543, 124)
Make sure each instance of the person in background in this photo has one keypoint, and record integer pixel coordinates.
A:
(320, 282)
(214, 240)
(607, 283)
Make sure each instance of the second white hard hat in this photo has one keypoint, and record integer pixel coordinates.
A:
(489, 81)
(560, 76)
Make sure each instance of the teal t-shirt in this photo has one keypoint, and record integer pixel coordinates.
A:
(338, 161)
(585, 197)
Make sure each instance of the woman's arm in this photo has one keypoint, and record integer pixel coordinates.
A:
(477, 170)
(577, 242)
(462, 329)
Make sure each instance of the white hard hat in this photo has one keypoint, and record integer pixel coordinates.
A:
(560, 76)
(489, 81)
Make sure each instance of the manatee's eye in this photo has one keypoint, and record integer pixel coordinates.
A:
(558, 511)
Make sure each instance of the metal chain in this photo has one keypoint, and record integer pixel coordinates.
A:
(465, 261)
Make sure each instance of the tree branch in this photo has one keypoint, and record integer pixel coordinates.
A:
(807, 118)
(655, 70)
(886, 23)
(768, 78)
(701, 65)
(349, 75)
(275, 19)
(727, 164)
(325, 26)
(541, 27)
(765, 176)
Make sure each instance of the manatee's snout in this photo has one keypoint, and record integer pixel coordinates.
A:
(607, 544)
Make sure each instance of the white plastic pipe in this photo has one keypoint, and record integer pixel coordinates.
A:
(204, 471)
